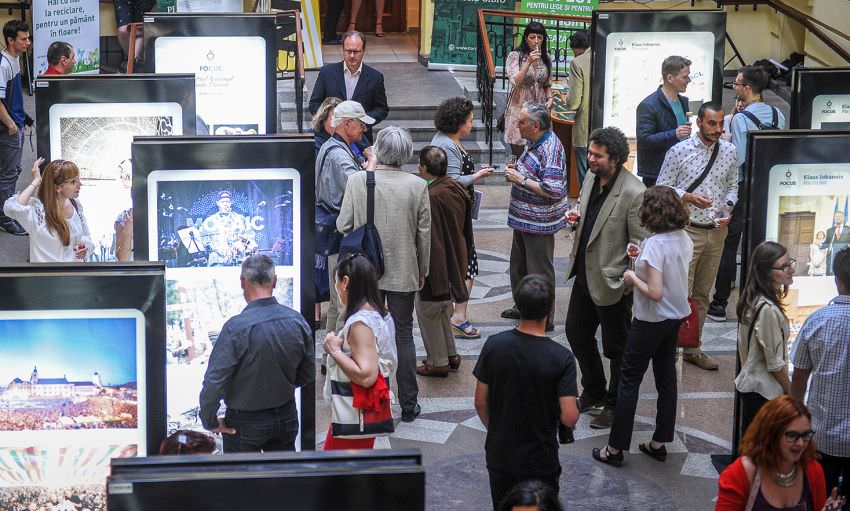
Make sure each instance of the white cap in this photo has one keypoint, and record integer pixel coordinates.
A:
(350, 110)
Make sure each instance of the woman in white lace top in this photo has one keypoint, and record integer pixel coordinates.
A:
(52, 215)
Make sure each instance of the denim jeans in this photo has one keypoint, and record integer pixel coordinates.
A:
(11, 151)
(263, 430)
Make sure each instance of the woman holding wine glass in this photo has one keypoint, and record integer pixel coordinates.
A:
(52, 214)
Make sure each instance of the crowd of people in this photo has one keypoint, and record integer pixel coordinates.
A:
(73, 498)
(93, 413)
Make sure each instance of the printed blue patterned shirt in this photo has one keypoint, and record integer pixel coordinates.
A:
(823, 346)
(544, 162)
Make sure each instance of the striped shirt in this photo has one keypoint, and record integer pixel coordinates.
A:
(545, 162)
(823, 346)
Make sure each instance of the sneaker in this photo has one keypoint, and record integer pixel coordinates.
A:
(701, 360)
(593, 409)
(716, 313)
(14, 228)
(604, 420)
(411, 415)
(511, 313)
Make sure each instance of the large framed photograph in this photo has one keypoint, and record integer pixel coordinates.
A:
(92, 121)
(82, 381)
(202, 206)
(806, 197)
(629, 48)
(820, 98)
(233, 59)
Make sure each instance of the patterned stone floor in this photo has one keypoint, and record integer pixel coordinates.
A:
(451, 437)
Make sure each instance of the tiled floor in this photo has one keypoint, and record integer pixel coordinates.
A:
(393, 48)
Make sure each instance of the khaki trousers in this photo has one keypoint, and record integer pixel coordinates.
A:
(335, 308)
(532, 253)
(435, 326)
(708, 247)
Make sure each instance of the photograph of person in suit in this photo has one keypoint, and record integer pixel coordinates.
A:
(837, 238)
(353, 80)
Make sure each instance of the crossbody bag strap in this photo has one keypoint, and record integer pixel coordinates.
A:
(754, 490)
(705, 172)
(753, 325)
(370, 197)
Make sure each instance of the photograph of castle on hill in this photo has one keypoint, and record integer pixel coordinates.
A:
(68, 373)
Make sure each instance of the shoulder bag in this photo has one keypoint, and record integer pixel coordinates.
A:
(365, 240)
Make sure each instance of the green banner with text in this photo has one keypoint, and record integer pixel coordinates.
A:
(454, 38)
(559, 34)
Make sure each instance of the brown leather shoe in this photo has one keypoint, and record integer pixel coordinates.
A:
(454, 363)
(427, 369)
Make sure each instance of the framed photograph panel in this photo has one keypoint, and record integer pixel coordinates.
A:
(820, 98)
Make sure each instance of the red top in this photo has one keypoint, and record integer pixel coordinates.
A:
(734, 486)
(52, 71)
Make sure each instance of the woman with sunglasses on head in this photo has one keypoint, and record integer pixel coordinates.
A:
(763, 329)
(362, 357)
(777, 469)
(52, 214)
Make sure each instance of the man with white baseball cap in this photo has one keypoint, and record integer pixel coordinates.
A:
(334, 164)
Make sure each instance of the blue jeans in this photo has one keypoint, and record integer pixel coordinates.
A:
(11, 151)
(263, 430)
(581, 163)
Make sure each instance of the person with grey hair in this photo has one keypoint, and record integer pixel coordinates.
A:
(661, 118)
(538, 201)
(403, 220)
(267, 346)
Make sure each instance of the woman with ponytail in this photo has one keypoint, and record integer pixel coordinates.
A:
(52, 215)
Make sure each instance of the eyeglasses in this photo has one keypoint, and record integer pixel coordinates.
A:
(787, 266)
(353, 52)
(793, 436)
(730, 85)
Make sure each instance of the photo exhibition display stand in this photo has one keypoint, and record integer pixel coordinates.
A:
(628, 50)
(797, 181)
(201, 205)
(820, 98)
(83, 373)
(233, 59)
(91, 120)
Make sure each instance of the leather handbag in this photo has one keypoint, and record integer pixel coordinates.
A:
(365, 240)
(689, 329)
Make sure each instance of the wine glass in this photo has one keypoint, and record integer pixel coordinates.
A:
(633, 251)
(573, 218)
(79, 244)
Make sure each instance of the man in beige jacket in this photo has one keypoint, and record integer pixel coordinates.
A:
(580, 97)
(610, 199)
(403, 220)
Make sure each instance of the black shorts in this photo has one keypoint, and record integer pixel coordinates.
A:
(131, 11)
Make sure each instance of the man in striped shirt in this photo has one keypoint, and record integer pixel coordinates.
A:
(538, 201)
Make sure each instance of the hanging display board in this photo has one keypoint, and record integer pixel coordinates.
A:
(628, 49)
(91, 120)
(233, 59)
(203, 204)
(454, 37)
(799, 190)
(820, 98)
(76, 22)
(82, 379)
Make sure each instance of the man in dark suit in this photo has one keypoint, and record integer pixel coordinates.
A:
(352, 80)
(837, 239)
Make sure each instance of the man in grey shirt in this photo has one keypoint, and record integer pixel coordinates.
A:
(334, 164)
(261, 356)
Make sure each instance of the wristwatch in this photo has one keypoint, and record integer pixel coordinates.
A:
(524, 180)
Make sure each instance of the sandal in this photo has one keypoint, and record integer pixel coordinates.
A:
(610, 458)
(379, 30)
(465, 330)
(659, 454)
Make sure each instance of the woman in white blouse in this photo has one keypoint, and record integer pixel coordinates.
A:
(763, 329)
(52, 215)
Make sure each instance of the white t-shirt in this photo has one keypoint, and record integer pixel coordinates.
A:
(670, 253)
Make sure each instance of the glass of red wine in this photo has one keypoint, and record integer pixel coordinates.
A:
(633, 251)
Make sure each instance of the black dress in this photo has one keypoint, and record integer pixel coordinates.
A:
(467, 167)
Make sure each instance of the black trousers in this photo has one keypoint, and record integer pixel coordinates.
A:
(649, 181)
(502, 482)
(583, 318)
(833, 468)
(332, 14)
(648, 341)
(751, 403)
(728, 270)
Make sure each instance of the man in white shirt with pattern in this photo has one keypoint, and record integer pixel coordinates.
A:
(704, 172)
(822, 352)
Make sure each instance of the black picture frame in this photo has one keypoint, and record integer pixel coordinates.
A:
(137, 285)
(607, 22)
(135, 88)
(237, 152)
(807, 84)
(177, 24)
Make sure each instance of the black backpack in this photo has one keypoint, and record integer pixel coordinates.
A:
(774, 122)
(365, 240)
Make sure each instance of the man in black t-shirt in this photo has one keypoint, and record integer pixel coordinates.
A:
(526, 385)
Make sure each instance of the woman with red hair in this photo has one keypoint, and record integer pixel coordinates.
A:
(777, 468)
